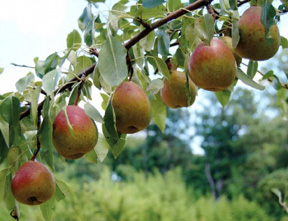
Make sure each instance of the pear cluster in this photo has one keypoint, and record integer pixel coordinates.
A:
(212, 66)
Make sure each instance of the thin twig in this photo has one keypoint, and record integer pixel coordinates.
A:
(21, 65)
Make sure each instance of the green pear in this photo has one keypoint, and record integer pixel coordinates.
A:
(80, 138)
(212, 67)
(228, 42)
(174, 93)
(132, 108)
(253, 44)
(33, 184)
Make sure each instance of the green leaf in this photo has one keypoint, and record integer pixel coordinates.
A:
(93, 113)
(1, 70)
(91, 156)
(85, 18)
(162, 66)
(180, 57)
(45, 135)
(163, 44)
(4, 129)
(278, 193)
(281, 100)
(83, 62)
(13, 159)
(268, 13)
(102, 148)
(235, 34)
(34, 104)
(105, 101)
(284, 42)
(3, 183)
(204, 27)
(10, 110)
(74, 40)
(62, 190)
(148, 13)
(50, 81)
(269, 74)
(22, 83)
(138, 54)
(110, 121)
(112, 61)
(252, 68)
(248, 80)
(43, 67)
(223, 97)
(159, 112)
(148, 42)
(48, 208)
(155, 86)
(173, 5)
(9, 198)
(152, 3)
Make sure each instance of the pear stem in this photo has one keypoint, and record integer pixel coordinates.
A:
(130, 67)
(38, 139)
(83, 77)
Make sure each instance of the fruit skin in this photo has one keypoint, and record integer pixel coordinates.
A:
(174, 91)
(252, 44)
(132, 108)
(212, 67)
(228, 42)
(33, 184)
(81, 141)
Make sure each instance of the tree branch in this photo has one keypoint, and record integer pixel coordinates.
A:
(159, 23)
(68, 85)
(176, 14)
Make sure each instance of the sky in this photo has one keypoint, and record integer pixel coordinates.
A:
(38, 28)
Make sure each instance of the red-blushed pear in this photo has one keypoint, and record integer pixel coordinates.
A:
(73, 144)
(253, 44)
(212, 67)
(174, 93)
(132, 108)
(33, 184)
(228, 42)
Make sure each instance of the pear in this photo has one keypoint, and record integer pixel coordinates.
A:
(33, 184)
(174, 93)
(73, 143)
(212, 67)
(253, 44)
(132, 108)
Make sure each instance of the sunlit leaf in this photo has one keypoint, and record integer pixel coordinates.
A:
(74, 40)
(93, 113)
(159, 112)
(22, 83)
(50, 81)
(223, 97)
(284, 42)
(112, 61)
(248, 80)
(102, 148)
(162, 66)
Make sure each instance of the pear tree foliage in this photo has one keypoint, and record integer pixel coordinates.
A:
(133, 41)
